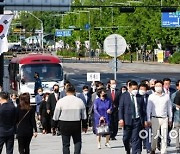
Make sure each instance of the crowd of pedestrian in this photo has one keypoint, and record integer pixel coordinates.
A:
(147, 112)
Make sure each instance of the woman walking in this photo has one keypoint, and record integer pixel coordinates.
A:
(102, 111)
(25, 123)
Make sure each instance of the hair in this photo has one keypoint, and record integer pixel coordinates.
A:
(70, 89)
(144, 81)
(133, 83)
(143, 85)
(127, 82)
(40, 88)
(45, 95)
(159, 81)
(152, 80)
(112, 80)
(124, 87)
(24, 101)
(36, 73)
(177, 83)
(100, 90)
(85, 87)
(67, 82)
(55, 85)
(166, 79)
(4, 95)
(14, 94)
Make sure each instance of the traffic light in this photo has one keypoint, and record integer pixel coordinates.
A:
(168, 9)
(127, 9)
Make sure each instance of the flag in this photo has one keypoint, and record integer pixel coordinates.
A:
(5, 21)
(87, 44)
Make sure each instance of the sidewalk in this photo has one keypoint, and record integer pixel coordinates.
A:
(48, 144)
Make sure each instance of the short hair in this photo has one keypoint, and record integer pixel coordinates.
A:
(55, 85)
(177, 83)
(100, 90)
(133, 83)
(14, 94)
(166, 79)
(67, 82)
(152, 80)
(37, 73)
(159, 81)
(112, 80)
(128, 81)
(46, 94)
(4, 95)
(40, 88)
(70, 89)
(85, 87)
(98, 84)
(124, 88)
(143, 85)
(144, 81)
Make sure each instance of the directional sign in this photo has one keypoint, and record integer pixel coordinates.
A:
(170, 19)
(115, 45)
(37, 5)
(63, 33)
(93, 77)
(87, 26)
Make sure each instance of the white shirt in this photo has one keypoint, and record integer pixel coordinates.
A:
(159, 106)
(136, 106)
(56, 96)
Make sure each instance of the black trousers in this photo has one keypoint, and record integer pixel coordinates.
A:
(131, 135)
(9, 142)
(114, 124)
(76, 140)
(24, 144)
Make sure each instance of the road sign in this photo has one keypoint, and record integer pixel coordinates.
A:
(170, 19)
(93, 77)
(87, 26)
(115, 43)
(63, 33)
(37, 5)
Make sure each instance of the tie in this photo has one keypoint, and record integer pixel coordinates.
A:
(167, 91)
(133, 108)
(113, 95)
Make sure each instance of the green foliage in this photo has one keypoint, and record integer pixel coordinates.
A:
(175, 59)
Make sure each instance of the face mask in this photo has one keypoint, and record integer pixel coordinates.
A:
(158, 89)
(113, 86)
(142, 92)
(134, 92)
(104, 95)
(123, 91)
(56, 90)
(40, 93)
(85, 92)
(46, 98)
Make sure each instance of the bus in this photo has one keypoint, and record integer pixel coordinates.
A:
(22, 69)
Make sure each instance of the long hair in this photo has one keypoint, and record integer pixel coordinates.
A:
(24, 101)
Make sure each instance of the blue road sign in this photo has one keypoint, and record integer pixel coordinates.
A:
(87, 26)
(170, 19)
(63, 33)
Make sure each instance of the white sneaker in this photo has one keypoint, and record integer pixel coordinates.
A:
(108, 145)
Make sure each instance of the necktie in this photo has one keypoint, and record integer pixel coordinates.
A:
(113, 95)
(167, 91)
(133, 108)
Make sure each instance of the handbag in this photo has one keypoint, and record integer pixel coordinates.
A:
(102, 129)
(22, 119)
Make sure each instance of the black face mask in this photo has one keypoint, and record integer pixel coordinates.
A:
(105, 95)
(56, 90)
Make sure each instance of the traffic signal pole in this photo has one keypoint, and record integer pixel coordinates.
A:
(2, 55)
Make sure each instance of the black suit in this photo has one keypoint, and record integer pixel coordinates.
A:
(114, 116)
(132, 125)
(51, 104)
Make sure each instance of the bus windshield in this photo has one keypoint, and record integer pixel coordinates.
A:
(47, 72)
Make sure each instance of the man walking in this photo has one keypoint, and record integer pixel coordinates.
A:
(159, 114)
(71, 112)
(131, 118)
(114, 95)
(38, 83)
(7, 123)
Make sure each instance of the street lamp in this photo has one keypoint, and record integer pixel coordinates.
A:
(42, 29)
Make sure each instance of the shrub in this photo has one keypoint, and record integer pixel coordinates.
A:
(175, 58)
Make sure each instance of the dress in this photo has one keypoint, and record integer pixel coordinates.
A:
(100, 110)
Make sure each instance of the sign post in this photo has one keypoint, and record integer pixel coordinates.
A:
(115, 45)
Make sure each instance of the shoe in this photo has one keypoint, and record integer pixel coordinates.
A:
(99, 146)
(113, 139)
(153, 152)
(108, 145)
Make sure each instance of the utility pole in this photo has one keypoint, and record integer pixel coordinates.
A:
(2, 55)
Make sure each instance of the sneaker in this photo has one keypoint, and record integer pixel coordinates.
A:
(108, 145)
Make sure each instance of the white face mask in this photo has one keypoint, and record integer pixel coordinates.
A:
(158, 89)
(40, 93)
(123, 91)
(134, 92)
(85, 92)
(142, 92)
(113, 86)
(0, 90)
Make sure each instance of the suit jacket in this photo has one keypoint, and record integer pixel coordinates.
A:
(116, 100)
(171, 90)
(62, 94)
(51, 103)
(82, 97)
(125, 109)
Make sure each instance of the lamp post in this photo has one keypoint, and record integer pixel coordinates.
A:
(42, 29)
